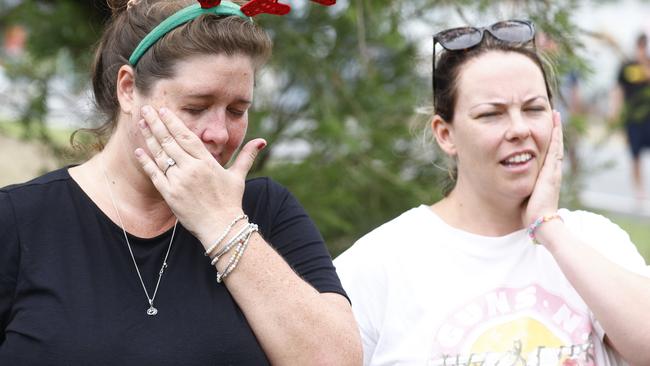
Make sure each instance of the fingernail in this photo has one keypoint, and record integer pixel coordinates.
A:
(261, 145)
(146, 110)
(162, 111)
(142, 124)
(139, 152)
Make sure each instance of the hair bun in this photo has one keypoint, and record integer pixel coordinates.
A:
(117, 6)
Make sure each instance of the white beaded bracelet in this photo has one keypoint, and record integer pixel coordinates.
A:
(234, 259)
(235, 239)
(225, 233)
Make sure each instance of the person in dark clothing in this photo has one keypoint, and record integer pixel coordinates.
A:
(155, 251)
(634, 98)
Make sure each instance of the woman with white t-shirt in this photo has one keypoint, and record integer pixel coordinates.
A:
(494, 273)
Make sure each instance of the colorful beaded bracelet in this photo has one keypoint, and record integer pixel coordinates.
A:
(537, 223)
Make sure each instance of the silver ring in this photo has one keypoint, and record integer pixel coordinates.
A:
(170, 163)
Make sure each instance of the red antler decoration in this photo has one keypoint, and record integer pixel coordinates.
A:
(207, 4)
(255, 7)
(325, 2)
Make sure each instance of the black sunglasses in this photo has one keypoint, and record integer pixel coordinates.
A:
(464, 38)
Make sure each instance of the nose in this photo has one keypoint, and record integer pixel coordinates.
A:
(215, 128)
(518, 128)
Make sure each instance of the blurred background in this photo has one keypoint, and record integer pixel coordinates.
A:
(344, 101)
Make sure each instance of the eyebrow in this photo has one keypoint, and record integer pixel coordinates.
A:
(498, 104)
(211, 96)
(535, 98)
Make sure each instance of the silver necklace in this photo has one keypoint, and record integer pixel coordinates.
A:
(151, 311)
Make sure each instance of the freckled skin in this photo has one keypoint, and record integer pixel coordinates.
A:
(220, 86)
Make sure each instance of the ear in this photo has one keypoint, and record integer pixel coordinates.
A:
(444, 134)
(126, 89)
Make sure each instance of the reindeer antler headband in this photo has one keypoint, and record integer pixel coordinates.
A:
(218, 7)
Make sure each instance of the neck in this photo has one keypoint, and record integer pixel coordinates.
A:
(143, 210)
(479, 213)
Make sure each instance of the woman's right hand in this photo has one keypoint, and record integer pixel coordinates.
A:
(204, 196)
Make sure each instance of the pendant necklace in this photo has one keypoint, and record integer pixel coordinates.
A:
(151, 311)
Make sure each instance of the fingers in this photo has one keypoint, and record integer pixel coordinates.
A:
(182, 136)
(247, 156)
(556, 148)
(555, 154)
(160, 141)
(160, 156)
(151, 169)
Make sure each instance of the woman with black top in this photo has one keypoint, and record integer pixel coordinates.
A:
(152, 252)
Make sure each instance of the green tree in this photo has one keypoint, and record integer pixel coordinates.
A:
(336, 101)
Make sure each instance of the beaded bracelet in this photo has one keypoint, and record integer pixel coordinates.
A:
(234, 259)
(225, 233)
(235, 239)
(537, 223)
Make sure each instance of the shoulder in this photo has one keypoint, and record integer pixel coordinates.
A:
(59, 175)
(266, 197)
(273, 207)
(606, 237)
(586, 221)
(588, 225)
(38, 189)
(377, 245)
(263, 188)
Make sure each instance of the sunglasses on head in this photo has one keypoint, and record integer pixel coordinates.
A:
(463, 38)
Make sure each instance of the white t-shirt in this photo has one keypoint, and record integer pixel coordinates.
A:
(425, 293)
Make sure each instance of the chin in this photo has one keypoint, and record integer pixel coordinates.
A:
(519, 190)
(523, 192)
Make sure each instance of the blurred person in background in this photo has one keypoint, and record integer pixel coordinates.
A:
(495, 273)
(632, 105)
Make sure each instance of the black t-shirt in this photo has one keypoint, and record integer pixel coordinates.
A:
(69, 293)
(636, 91)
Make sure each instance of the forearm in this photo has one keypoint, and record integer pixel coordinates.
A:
(294, 324)
(618, 298)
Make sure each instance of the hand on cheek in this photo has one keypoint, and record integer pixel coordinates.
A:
(546, 194)
(196, 187)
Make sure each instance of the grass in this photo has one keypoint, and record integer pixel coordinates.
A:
(639, 231)
(60, 136)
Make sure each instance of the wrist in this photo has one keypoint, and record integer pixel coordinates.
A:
(548, 234)
(539, 229)
(215, 227)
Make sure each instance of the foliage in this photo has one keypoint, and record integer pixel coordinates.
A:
(347, 87)
(337, 100)
(60, 37)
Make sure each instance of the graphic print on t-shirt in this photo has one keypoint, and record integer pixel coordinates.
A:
(526, 326)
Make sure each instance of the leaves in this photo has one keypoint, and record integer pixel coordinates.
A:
(337, 100)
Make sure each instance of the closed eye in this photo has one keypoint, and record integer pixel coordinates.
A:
(488, 114)
(236, 112)
(194, 111)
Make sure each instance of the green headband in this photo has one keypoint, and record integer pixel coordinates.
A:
(179, 18)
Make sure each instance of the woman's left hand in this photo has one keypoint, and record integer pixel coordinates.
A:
(204, 196)
(546, 193)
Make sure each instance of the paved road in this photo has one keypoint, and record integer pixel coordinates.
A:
(608, 180)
